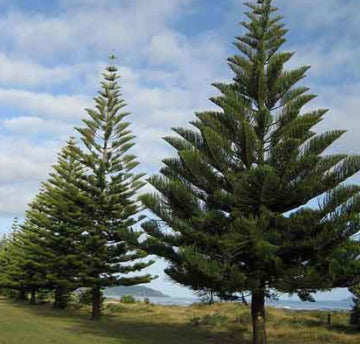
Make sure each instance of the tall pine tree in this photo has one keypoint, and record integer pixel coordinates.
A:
(232, 211)
(111, 186)
(48, 250)
(60, 222)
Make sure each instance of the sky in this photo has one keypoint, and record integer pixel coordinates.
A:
(168, 52)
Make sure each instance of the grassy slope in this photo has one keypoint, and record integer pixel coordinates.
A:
(141, 324)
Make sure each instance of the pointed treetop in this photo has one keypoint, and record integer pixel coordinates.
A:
(111, 68)
(112, 59)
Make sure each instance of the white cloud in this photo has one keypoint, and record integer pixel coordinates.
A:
(27, 73)
(66, 107)
(76, 33)
(320, 14)
(14, 198)
(166, 74)
(24, 164)
(27, 125)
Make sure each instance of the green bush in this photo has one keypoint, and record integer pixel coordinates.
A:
(44, 295)
(85, 297)
(195, 321)
(127, 299)
(115, 308)
(147, 301)
(9, 293)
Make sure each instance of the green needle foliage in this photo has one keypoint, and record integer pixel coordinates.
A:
(110, 187)
(48, 251)
(7, 255)
(26, 270)
(232, 209)
(57, 215)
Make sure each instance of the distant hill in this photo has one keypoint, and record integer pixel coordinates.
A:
(136, 290)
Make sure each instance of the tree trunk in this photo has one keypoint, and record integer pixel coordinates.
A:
(33, 296)
(258, 316)
(96, 303)
(60, 298)
(211, 301)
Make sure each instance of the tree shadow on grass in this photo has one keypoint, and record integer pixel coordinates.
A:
(140, 331)
(133, 329)
(344, 329)
(150, 328)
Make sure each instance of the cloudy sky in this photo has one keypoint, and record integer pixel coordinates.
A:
(169, 52)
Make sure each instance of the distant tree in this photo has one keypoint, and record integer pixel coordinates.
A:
(26, 270)
(47, 252)
(58, 218)
(232, 209)
(5, 243)
(110, 186)
(6, 255)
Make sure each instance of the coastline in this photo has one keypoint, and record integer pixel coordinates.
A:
(284, 304)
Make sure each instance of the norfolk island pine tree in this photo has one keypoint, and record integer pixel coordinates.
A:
(47, 252)
(57, 214)
(7, 248)
(26, 270)
(231, 207)
(110, 188)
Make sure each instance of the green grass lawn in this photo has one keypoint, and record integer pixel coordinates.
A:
(147, 324)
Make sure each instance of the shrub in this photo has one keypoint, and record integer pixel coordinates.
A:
(195, 321)
(44, 295)
(85, 297)
(9, 293)
(115, 308)
(127, 299)
(147, 301)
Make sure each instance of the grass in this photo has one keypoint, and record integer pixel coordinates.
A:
(149, 324)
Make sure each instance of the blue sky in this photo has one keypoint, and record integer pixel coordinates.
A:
(169, 52)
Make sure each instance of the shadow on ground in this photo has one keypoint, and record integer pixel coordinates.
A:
(135, 330)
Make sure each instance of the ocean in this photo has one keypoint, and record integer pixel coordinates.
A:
(340, 305)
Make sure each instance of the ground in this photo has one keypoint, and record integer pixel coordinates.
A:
(147, 324)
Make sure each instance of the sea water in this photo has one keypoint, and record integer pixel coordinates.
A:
(335, 305)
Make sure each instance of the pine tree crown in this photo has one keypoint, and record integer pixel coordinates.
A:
(240, 172)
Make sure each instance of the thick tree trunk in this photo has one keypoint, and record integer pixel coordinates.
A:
(258, 316)
(96, 303)
(60, 298)
(33, 296)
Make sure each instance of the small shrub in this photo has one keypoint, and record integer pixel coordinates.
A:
(44, 294)
(115, 308)
(127, 299)
(214, 319)
(9, 293)
(74, 298)
(85, 297)
(195, 321)
(74, 302)
(147, 301)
